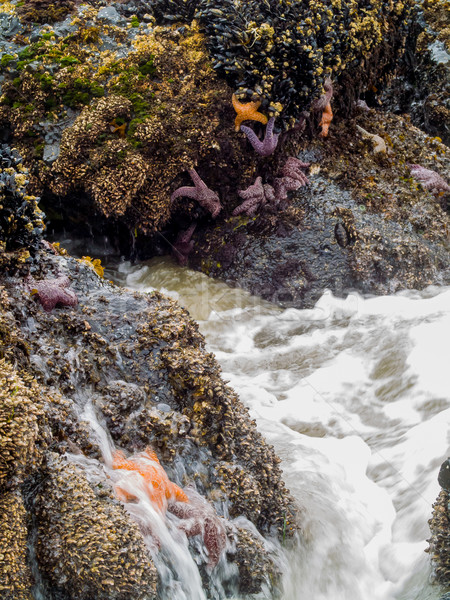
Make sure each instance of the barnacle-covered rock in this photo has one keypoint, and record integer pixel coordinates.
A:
(45, 11)
(439, 547)
(255, 567)
(151, 382)
(20, 411)
(362, 223)
(15, 573)
(84, 541)
(21, 223)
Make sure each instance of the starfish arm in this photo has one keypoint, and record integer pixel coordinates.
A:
(257, 116)
(198, 181)
(188, 192)
(256, 189)
(269, 128)
(248, 207)
(177, 493)
(252, 138)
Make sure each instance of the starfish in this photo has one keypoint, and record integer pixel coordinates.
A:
(284, 185)
(184, 245)
(429, 179)
(327, 117)
(120, 129)
(268, 145)
(247, 112)
(52, 292)
(379, 145)
(254, 198)
(325, 99)
(292, 169)
(199, 518)
(157, 485)
(324, 104)
(208, 199)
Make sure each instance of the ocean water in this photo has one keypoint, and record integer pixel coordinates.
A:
(354, 396)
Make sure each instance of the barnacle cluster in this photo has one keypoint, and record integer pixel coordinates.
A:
(15, 573)
(439, 547)
(20, 410)
(45, 11)
(84, 538)
(282, 50)
(150, 109)
(21, 223)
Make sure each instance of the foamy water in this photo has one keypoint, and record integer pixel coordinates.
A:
(354, 396)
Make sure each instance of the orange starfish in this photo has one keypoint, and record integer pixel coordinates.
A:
(247, 112)
(158, 486)
(327, 117)
(120, 129)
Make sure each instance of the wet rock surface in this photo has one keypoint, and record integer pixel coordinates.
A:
(140, 360)
(364, 223)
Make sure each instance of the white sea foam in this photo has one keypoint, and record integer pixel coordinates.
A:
(354, 396)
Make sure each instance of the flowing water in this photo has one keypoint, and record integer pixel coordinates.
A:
(354, 396)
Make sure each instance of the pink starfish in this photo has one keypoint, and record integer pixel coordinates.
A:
(292, 169)
(52, 292)
(429, 179)
(322, 102)
(184, 245)
(255, 197)
(283, 185)
(199, 518)
(208, 199)
(268, 145)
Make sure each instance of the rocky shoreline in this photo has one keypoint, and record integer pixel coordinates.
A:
(114, 109)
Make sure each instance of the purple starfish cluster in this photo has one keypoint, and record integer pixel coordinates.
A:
(429, 179)
(51, 292)
(259, 195)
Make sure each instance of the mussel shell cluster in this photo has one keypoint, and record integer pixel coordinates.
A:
(21, 224)
(281, 51)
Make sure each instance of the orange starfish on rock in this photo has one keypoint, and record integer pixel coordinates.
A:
(157, 485)
(247, 112)
(327, 117)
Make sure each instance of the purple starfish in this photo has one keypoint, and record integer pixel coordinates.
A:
(283, 185)
(198, 518)
(255, 197)
(268, 145)
(52, 292)
(292, 169)
(184, 245)
(208, 199)
(325, 99)
(429, 179)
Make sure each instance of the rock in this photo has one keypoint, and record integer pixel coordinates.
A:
(362, 224)
(83, 541)
(439, 543)
(110, 15)
(150, 379)
(444, 475)
(15, 574)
